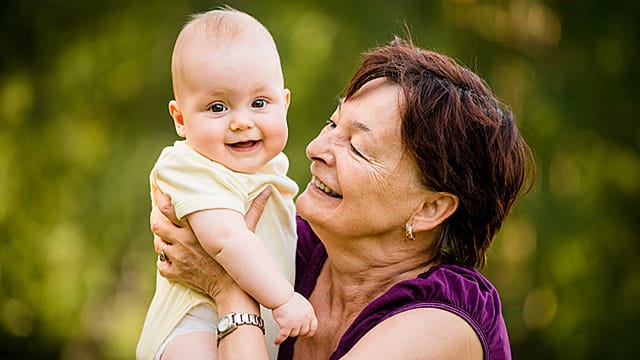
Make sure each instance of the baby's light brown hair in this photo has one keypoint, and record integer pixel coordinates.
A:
(218, 26)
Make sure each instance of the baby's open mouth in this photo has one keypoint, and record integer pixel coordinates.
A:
(245, 144)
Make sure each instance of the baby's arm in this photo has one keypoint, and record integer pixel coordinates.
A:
(224, 235)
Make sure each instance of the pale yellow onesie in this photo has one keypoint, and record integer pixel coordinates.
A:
(196, 183)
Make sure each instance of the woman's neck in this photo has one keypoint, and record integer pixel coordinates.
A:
(355, 273)
(362, 270)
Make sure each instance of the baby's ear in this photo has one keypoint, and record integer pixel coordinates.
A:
(178, 119)
(287, 98)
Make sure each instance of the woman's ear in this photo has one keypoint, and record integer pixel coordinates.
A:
(437, 208)
(178, 119)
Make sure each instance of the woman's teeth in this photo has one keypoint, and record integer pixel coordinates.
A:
(325, 188)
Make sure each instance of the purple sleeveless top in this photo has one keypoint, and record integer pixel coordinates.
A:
(460, 290)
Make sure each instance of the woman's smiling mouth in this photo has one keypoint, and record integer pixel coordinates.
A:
(322, 186)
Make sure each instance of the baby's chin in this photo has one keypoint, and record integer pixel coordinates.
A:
(245, 166)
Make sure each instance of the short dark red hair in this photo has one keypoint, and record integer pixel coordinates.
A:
(464, 141)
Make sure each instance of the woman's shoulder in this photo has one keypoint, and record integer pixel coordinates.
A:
(461, 290)
(457, 284)
(446, 286)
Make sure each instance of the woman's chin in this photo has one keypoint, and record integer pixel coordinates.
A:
(308, 202)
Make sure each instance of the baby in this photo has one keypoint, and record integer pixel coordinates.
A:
(230, 105)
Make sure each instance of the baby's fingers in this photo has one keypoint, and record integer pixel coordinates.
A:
(310, 329)
(304, 330)
(282, 336)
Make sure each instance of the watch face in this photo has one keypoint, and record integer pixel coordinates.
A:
(224, 323)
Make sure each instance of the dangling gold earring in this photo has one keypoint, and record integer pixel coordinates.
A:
(409, 231)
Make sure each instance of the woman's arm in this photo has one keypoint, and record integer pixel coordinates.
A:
(192, 266)
(424, 333)
(223, 233)
(246, 342)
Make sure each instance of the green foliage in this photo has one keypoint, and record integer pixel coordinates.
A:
(83, 94)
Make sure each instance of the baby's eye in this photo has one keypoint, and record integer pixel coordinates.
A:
(259, 103)
(217, 108)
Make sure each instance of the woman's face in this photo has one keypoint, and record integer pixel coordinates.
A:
(363, 183)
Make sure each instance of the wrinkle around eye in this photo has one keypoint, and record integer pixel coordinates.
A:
(378, 174)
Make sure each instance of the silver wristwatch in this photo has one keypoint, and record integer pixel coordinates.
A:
(229, 322)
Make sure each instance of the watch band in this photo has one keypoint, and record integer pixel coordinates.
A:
(229, 322)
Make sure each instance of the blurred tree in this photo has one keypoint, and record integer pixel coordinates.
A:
(83, 94)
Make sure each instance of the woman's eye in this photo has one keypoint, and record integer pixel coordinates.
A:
(217, 108)
(330, 123)
(259, 103)
(355, 151)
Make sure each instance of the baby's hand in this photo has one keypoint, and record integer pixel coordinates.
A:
(295, 318)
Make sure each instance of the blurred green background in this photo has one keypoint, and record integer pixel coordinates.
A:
(84, 88)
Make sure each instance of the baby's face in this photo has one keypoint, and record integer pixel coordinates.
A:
(233, 104)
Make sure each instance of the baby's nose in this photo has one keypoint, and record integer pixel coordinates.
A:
(241, 123)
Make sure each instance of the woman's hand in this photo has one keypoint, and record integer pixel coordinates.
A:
(186, 261)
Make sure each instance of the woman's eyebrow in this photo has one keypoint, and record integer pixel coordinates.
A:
(353, 123)
(360, 126)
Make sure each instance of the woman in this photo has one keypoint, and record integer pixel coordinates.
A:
(412, 177)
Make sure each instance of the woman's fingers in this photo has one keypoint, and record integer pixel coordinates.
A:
(180, 255)
(158, 243)
(257, 207)
(163, 203)
(161, 228)
(166, 269)
(168, 232)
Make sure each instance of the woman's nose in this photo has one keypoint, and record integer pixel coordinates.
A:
(321, 148)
